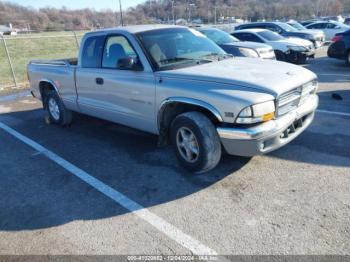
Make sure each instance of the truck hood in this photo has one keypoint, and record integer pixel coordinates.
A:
(268, 76)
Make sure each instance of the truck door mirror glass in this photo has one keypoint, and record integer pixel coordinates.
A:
(129, 63)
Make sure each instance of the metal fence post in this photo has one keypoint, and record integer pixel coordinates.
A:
(10, 62)
(76, 40)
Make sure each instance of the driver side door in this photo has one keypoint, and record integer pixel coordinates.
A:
(125, 96)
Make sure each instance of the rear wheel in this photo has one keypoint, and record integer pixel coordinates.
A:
(196, 142)
(348, 58)
(57, 112)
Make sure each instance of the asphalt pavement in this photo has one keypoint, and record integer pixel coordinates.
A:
(100, 188)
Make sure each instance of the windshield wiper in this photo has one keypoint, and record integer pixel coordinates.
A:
(177, 59)
(219, 56)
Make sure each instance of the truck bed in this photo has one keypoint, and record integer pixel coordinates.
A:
(60, 73)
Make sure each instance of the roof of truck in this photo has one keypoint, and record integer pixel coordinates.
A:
(134, 29)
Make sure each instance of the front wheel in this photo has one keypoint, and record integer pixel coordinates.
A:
(196, 142)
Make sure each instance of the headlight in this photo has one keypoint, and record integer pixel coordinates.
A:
(257, 113)
(248, 52)
(297, 48)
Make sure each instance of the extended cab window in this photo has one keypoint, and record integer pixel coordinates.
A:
(116, 47)
(92, 52)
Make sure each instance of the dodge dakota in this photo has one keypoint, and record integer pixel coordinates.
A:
(174, 82)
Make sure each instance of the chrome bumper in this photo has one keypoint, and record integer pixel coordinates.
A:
(270, 135)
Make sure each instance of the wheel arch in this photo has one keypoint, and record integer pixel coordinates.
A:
(172, 107)
(46, 85)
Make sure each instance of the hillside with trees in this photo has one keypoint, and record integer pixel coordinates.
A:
(164, 10)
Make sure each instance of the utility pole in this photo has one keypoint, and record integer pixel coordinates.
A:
(172, 11)
(214, 14)
(121, 13)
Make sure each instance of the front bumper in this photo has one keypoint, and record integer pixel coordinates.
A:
(270, 135)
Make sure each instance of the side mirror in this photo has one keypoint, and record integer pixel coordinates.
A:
(129, 63)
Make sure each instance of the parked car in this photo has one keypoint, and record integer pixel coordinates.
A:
(235, 47)
(330, 28)
(294, 50)
(174, 82)
(283, 29)
(340, 47)
(347, 21)
(320, 37)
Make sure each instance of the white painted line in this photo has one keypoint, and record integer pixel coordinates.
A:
(163, 226)
(332, 112)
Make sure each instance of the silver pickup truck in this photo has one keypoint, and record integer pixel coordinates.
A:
(174, 82)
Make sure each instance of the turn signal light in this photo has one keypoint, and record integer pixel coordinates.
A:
(268, 116)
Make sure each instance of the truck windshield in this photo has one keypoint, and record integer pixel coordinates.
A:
(174, 48)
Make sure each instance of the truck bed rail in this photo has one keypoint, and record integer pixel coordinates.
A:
(59, 62)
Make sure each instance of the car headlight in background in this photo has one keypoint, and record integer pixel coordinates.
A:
(297, 48)
(248, 52)
(257, 113)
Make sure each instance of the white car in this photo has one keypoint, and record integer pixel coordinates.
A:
(294, 50)
(330, 28)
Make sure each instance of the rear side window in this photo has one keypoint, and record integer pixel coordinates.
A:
(92, 52)
(331, 26)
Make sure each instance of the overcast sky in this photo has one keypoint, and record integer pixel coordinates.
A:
(79, 4)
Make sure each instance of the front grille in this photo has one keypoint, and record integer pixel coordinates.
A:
(293, 99)
(288, 101)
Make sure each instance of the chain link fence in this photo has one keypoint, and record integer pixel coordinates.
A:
(17, 51)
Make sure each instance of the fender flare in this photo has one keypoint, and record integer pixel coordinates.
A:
(188, 101)
(52, 83)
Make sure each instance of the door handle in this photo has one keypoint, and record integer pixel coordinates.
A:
(99, 81)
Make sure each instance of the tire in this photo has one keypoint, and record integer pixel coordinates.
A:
(202, 138)
(348, 58)
(301, 59)
(57, 112)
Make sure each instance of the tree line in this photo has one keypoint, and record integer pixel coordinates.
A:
(155, 11)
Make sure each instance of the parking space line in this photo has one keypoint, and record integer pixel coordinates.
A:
(159, 223)
(333, 112)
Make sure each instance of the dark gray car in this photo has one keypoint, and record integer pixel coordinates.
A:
(283, 29)
(235, 47)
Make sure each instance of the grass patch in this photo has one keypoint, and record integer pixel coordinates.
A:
(23, 48)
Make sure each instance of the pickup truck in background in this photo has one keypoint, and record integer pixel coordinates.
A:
(174, 82)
